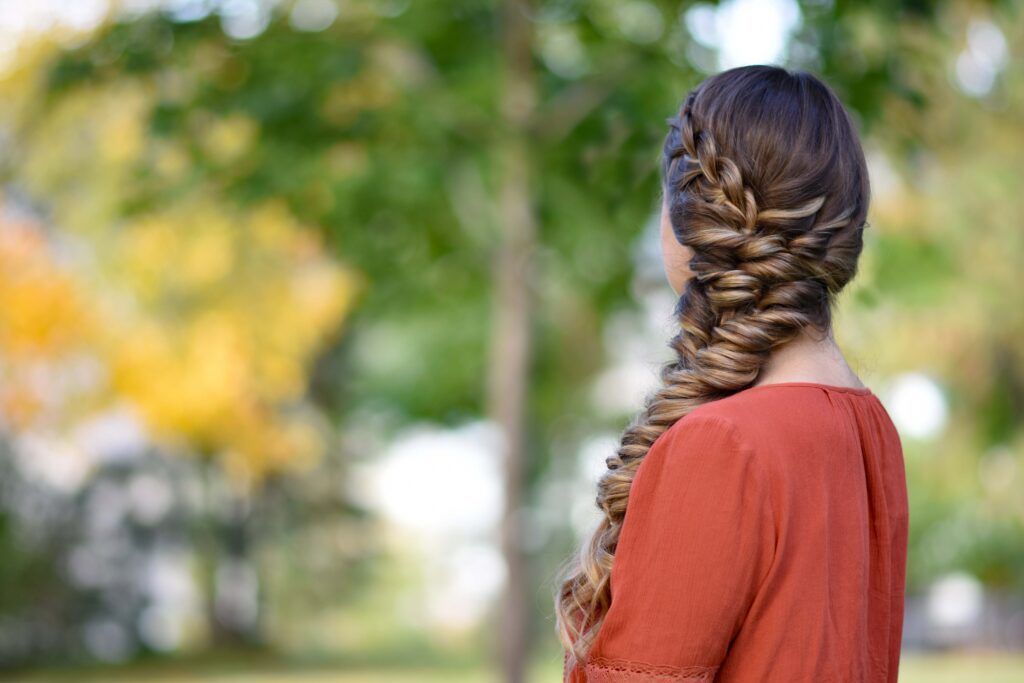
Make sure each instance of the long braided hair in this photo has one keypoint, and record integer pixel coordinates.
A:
(764, 178)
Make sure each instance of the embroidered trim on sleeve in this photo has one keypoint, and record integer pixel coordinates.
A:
(608, 670)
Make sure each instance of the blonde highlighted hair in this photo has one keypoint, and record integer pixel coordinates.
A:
(764, 177)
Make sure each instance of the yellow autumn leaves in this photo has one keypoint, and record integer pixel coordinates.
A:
(206, 322)
(223, 329)
(202, 314)
(43, 319)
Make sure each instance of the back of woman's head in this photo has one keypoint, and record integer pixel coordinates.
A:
(764, 179)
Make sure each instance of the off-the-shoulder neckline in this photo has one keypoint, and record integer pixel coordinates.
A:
(859, 391)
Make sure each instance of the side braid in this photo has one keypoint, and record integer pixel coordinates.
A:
(760, 276)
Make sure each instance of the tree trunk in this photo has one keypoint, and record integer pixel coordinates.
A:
(510, 349)
(233, 583)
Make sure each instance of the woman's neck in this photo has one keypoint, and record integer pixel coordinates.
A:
(810, 357)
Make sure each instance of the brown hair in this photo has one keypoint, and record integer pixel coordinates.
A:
(764, 178)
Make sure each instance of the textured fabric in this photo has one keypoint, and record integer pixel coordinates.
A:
(605, 670)
(765, 541)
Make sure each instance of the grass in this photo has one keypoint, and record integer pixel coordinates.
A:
(962, 668)
(914, 668)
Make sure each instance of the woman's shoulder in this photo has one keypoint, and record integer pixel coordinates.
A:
(773, 418)
(745, 412)
(768, 404)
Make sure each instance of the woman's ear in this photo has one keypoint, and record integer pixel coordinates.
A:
(675, 256)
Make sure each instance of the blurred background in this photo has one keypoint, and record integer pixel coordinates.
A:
(318, 318)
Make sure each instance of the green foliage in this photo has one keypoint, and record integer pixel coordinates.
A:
(382, 135)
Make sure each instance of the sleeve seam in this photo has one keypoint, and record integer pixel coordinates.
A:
(768, 496)
(735, 436)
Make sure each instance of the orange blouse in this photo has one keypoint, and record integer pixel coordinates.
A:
(765, 541)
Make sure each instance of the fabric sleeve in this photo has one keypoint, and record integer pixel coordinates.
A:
(697, 541)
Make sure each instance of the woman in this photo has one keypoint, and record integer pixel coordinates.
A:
(755, 515)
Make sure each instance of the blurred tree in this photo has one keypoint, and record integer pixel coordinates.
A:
(385, 132)
(42, 322)
(940, 287)
(206, 314)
